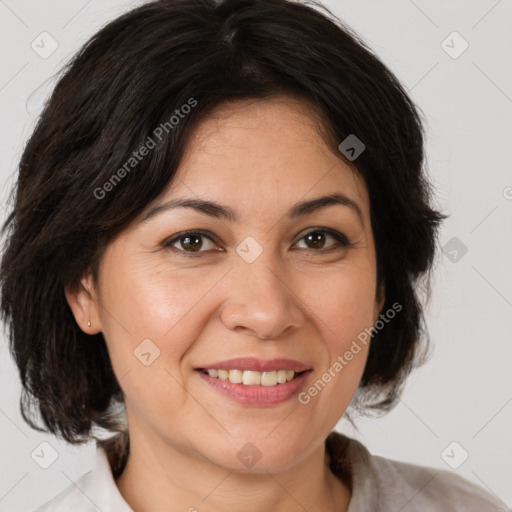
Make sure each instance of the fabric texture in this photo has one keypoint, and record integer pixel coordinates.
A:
(378, 485)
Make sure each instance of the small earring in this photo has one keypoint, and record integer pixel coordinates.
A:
(88, 324)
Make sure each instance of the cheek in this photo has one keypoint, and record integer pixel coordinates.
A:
(343, 309)
(150, 326)
(165, 304)
(150, 300)
(344, 302)
(153, 302)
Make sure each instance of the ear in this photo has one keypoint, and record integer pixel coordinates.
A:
(84, 304)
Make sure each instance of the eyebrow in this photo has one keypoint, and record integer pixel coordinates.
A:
(220, 211)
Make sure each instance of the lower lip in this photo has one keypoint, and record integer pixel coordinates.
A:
(257, 395)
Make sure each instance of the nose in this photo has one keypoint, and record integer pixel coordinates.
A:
(261, 301)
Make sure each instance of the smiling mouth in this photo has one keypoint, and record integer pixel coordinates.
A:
(253, 378)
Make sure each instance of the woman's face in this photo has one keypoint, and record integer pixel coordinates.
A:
(268, 280)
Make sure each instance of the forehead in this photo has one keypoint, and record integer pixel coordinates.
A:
(263, 153)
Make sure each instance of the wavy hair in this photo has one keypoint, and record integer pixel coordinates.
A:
(129, 79)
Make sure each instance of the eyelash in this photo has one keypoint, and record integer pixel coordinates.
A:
(342, 240)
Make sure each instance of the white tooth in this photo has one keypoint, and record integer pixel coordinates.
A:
(235, 376)
(281, 376)
(251, 378)
(269, 378)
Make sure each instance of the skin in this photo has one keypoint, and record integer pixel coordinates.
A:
(296, 300)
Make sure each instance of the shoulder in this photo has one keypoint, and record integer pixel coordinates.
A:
(425, 488)
(93, 491)
(70, 498)
(387, 485)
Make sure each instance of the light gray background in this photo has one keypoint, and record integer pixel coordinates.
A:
(464, 394)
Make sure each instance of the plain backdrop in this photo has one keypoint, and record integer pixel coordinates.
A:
(460, 403)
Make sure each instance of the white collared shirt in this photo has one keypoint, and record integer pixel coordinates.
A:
(378, 485)
(95, 491)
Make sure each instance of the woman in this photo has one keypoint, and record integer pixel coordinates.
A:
(219, 225)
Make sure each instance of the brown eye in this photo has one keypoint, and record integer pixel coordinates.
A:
(190, 242)
(318, 238)
(193, 242)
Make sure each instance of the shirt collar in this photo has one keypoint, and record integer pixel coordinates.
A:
(101, 487)
(349, 461)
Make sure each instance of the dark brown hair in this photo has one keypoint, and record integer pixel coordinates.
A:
(128, 80)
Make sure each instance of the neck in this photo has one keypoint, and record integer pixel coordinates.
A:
(158, 476)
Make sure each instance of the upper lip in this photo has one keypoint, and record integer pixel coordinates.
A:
(257, 365)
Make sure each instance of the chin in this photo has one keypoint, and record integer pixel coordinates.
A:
(259, 453)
